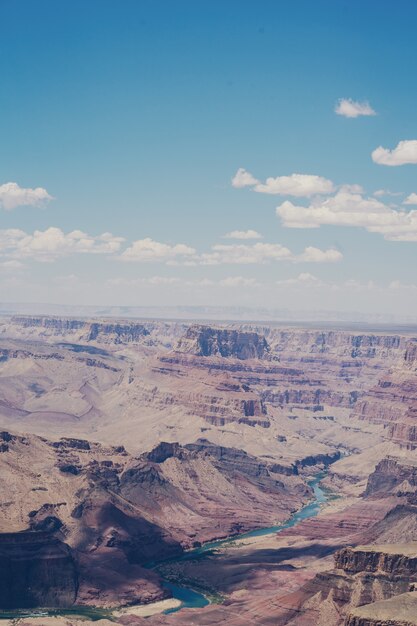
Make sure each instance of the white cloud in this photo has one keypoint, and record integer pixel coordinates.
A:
(397, 284)
(242, 178)
(411, 199)
(303, 279)
(356, 285)
(12, 196)
(152, 280)
(167, 281)
(300, 185)
(315, 255)
(150, 250)
(294, 185)
(352, 108)
(347, 209)
(405, 152)
(53, 243)
(261, 253)
(11, 265)
(238, 281)
(163, 280)
(351, 188)
(379, 193)
(243, 234)
(245, 254)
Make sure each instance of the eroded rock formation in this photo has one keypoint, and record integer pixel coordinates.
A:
(97, 515)
(36, 569)
(209, 341)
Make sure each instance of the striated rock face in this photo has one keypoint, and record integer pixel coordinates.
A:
(398, 560)
(331, 342)
(84, 330)
(204, 386)
(209, 341)
(392, 476)
(227, 460)
(223, 375)
(36, 569)
(393, 401)
(117, 333)
(60, 325)
(362, 576)
(410, 356)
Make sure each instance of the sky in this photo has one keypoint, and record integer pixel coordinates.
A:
(183, 152)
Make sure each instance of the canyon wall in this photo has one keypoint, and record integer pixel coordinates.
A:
(36, 569)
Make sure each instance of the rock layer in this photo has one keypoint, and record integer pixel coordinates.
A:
(36, 569)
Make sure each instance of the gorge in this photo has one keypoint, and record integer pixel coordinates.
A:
(128, 443)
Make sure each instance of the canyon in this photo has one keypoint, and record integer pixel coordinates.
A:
(126, 444)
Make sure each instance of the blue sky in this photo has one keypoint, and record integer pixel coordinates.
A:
(135, 116)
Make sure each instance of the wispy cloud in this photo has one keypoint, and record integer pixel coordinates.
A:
(262, 253)
(12, 196)
(404, 153)
(174, 281)
(380, 193)
(245, 254)
(352, 108)
(411, 199)
(242, 234)
(242, 178)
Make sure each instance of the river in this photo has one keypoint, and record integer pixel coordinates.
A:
(192, 599)
(188, 597)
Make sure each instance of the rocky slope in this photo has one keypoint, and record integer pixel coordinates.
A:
(207, 431)
(81, 520)
(400, 610)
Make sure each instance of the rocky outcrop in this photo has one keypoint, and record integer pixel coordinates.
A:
(332, 342)
(362, 576)
(410, 356)
(229, 460)
(398, 560)
(36, 569)
(318, 459)
(116, 333)
(400, 610)
(211, 341)
(7, 440)
(57, 324)
(392, 476)
(84, 330)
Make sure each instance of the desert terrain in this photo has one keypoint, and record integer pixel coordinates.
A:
(127, 446)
